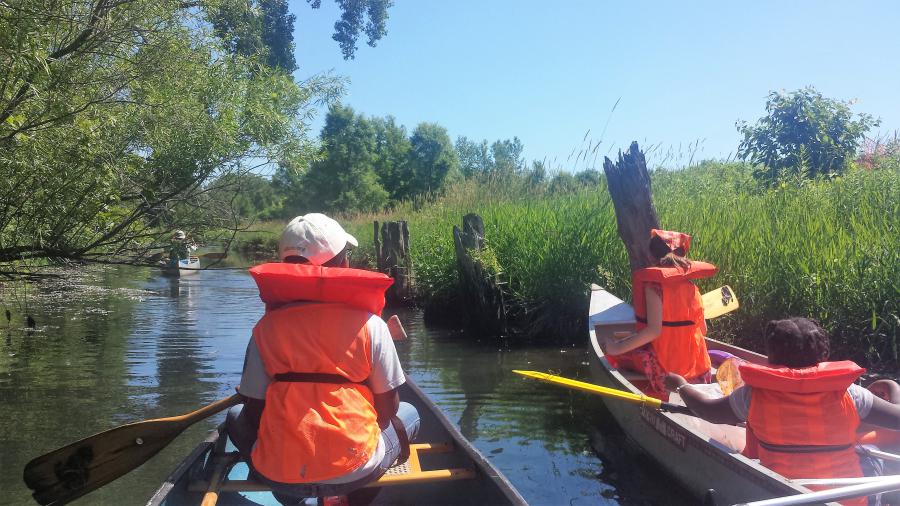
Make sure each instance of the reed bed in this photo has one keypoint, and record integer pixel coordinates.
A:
(826, 250)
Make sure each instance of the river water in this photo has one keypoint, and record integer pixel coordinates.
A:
(118, 344)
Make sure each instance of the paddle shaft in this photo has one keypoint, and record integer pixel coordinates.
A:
(644, 400)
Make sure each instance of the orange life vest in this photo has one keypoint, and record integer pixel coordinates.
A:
(802, 422)
(681, 345)
(319, 420)
(283, 283)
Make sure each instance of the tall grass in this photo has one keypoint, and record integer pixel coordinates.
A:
(827, 250)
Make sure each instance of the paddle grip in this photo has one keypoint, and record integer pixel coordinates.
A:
(675, 408)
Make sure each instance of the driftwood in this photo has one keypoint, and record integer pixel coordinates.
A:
(629, 187)
(483, 304)
(393, 258)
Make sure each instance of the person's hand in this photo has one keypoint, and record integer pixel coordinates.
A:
(673, 381)
(396, 328)
(886, 389)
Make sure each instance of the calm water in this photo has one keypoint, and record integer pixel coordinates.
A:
(113, 345)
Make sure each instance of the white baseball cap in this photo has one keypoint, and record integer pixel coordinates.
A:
(315, 237)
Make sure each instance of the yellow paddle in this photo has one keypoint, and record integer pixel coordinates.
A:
(719, 301)
(650, 402)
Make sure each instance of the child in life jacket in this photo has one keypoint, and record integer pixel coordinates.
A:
(803, 414)
(671, 329)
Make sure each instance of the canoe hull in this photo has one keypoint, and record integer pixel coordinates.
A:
(187, 267)
(488, 487)
(680, 443)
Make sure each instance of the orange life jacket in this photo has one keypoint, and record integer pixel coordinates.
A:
(802, 422)
(319, 420)
(283, 283)
(681, 345)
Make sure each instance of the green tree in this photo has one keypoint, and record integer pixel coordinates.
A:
(588, 177)
(537, 174)
(392, 157)
(115, 117)
(563, 182)
(369, 16)
(475, 158)
(508, 158)
(265, 27)
(250, 195)
(344, 178)
(432, 159)
(803, 134)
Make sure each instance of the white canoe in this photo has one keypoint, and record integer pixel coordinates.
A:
(185, 267)
(700, 455)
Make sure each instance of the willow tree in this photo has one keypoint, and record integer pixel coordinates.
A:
(117, 117)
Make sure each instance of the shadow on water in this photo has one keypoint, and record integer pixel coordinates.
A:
(120, 344)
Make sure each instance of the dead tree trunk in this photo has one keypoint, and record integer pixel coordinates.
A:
(393, 258)
(629, 187)
(482, 297)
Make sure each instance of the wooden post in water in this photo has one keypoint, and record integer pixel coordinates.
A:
(482, 297)
(392, 257)
(629, 187)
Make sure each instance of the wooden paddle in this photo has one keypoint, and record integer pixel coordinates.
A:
(718, 302)
(650, 402)
(64, 474)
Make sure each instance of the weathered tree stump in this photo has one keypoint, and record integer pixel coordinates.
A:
(629, 187)
(393, 258)
(482, 299)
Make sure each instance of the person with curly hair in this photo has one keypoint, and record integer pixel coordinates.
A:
(803, 413)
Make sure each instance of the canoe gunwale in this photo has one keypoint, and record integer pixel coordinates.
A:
(715, 453)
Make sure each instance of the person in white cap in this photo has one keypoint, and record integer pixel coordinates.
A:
(321, 414)
(316, 239)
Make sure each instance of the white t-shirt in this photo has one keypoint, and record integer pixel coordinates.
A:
(740, 401)
(386, 375)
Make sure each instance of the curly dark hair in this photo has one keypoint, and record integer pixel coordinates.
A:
(796, 342)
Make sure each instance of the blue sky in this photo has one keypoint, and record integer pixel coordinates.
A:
(547, 72)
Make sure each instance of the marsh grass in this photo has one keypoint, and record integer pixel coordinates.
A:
(826, 250)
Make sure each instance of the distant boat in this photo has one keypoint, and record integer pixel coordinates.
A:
(443, 469)
(186, 267)
(702, 456)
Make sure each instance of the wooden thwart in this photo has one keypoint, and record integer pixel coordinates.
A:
(409, 473)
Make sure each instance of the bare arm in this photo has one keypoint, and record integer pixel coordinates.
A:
(386, 406)
(886, 405)
(646, 334)
(715, 410)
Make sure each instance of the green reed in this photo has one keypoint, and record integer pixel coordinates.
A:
(827, 250)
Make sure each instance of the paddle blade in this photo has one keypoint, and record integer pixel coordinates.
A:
(74, 470)
(591, 388)
(62, 475)
(719, 301)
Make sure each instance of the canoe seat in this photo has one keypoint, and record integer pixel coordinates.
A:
(410, 472)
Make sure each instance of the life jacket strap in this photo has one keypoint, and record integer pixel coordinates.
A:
(682, 323)
(803, 448)
(315, 377)
(403, 437)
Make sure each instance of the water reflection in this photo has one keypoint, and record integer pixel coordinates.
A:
(117, 345)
